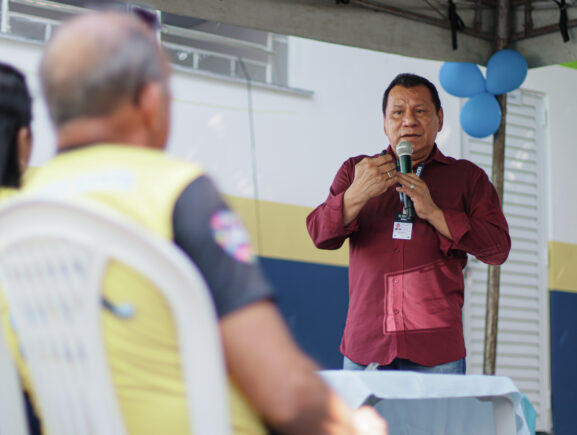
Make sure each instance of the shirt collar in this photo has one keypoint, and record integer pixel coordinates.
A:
(436, 155)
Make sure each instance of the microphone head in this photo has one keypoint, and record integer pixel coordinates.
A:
(404, 148)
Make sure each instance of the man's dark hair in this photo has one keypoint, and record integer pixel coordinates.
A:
(408, 80)
(15, 112)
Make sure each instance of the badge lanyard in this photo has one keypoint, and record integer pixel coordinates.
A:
(403, 225)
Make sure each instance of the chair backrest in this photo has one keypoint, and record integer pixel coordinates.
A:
(53, 254)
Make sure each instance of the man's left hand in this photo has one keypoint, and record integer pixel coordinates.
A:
(419, 193)
(424, 205)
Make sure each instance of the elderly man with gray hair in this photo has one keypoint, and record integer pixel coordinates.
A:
(105, 80)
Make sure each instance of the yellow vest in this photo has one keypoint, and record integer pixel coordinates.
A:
(143, 184)
(7, 192)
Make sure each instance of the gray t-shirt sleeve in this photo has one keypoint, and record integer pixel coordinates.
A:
(216, 241)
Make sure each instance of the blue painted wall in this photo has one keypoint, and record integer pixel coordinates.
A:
(563, 361)
(313, 299)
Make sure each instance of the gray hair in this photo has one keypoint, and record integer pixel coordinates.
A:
(116, 71)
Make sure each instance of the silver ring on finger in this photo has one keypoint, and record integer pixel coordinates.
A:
(412, 186)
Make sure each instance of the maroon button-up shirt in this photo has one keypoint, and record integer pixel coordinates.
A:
(405, 296)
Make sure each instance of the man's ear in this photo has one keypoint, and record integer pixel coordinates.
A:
(385, 124)
(24, 139)
(153, 103)
(149, 103)
(440, 119)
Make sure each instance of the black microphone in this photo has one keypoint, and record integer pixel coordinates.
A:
(405, 153)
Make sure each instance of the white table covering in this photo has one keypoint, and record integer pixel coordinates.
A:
(429, 404)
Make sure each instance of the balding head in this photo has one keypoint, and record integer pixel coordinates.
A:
(96, 63)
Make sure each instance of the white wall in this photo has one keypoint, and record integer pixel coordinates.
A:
(301, 140)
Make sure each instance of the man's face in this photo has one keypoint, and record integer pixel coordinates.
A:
(411, 116)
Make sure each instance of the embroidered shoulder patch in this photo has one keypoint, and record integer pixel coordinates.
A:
(230, 234)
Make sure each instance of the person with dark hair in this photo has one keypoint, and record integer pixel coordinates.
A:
(15, 150)
(406, 285)
(111, 111)
(15, 133)
(407, 80)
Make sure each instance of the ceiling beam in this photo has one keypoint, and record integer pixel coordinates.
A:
(341, 24)
(426, 19)
(363, 27)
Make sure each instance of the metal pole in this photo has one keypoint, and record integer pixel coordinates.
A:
(494, 272)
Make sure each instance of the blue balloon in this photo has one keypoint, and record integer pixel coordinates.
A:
(481, 115)
(506, 71)
(462, 79)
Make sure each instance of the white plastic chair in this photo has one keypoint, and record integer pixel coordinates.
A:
(52, 258)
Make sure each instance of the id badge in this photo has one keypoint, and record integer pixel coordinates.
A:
(402, 227)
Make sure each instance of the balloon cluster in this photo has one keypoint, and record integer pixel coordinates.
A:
(481, 114)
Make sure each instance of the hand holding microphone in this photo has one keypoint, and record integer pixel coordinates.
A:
(405, 154)
(419, 203)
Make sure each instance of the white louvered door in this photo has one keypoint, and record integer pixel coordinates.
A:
(523, 332)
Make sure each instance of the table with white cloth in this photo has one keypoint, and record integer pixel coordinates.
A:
(435, 404)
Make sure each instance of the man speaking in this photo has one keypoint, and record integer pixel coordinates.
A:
(406, 268)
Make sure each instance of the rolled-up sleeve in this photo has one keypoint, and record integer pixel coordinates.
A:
(325, 223)
(482, 230)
